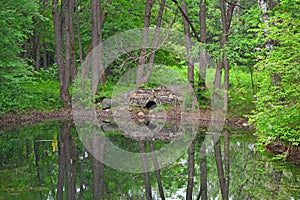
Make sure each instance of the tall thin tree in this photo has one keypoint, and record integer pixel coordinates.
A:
(58, 14)
(97, 20)
(226, 17)
(145, 38)
(188, 43)
(202, 54)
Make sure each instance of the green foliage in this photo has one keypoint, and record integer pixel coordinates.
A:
(15, 25)
(242, 42)
(241, 92)
(278, 99)
(25, 89)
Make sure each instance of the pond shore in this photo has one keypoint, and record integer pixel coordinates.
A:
(15, 119)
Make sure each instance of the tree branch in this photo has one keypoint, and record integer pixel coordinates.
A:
(234, 4)
(187, 19)
(105, 13)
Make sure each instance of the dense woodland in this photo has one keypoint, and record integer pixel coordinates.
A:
(255, 45)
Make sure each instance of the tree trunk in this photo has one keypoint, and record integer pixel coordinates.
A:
(188, 43)
(203, 174)
(96, 155)
(155, 42)
(202, 57)
(220, 170)
(58, 18)
(97, 168)
(145, 169)
(45, 56)
(72, 42)
(78, 34)
(157, 171)
(61, 167)
(37, 63)
(97, 63)
(191, 170)
(68, 39)
(45, 5)
(81, 177)
(226, 16)
(227, 163)
(142, 58)
(70, 153)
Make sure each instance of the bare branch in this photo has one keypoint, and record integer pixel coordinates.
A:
(235, 4)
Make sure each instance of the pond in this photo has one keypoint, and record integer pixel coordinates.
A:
(52, 161)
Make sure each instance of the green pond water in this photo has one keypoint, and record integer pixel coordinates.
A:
(50, 161)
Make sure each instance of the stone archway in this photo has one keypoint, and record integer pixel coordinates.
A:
(151, 105)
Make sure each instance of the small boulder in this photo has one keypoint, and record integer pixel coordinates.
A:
(141, 114)
(108, 103)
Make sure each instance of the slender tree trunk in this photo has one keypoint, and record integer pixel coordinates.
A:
(68, 39)
(37, 42)
(36, 161)
(146, 169)
(142, 58)
(155, 42)
(185, 16)
(188, 44)
(61, 166)
(157, 171)
(97, 167)
(219, 163)
(78, 33)
(97, 63)
(191, 170)
(70, 153)
(82, 166)
(58, 18)
(226, 16)
(202, 62)
(98, 143)
(203, 173)
(45, 56)
(72, 47)
(226, 84)
(226, 163)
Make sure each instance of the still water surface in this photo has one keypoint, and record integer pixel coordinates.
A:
(49, 161)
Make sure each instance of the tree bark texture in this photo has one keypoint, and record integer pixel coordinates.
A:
(157, 171)
(64, 75)
(188, 43)
(226, 17)
(220, 170)
(155, 42)
(202, 56)
(145, 38)
(191, 170)
(145, 169)
(70, 40)
(67, 164)
(97, 63)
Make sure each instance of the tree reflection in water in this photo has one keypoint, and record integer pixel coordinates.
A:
(34, 167)
(68, 156)
(67, 163)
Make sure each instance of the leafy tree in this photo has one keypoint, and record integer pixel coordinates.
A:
(16, 24)
(278, 100)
